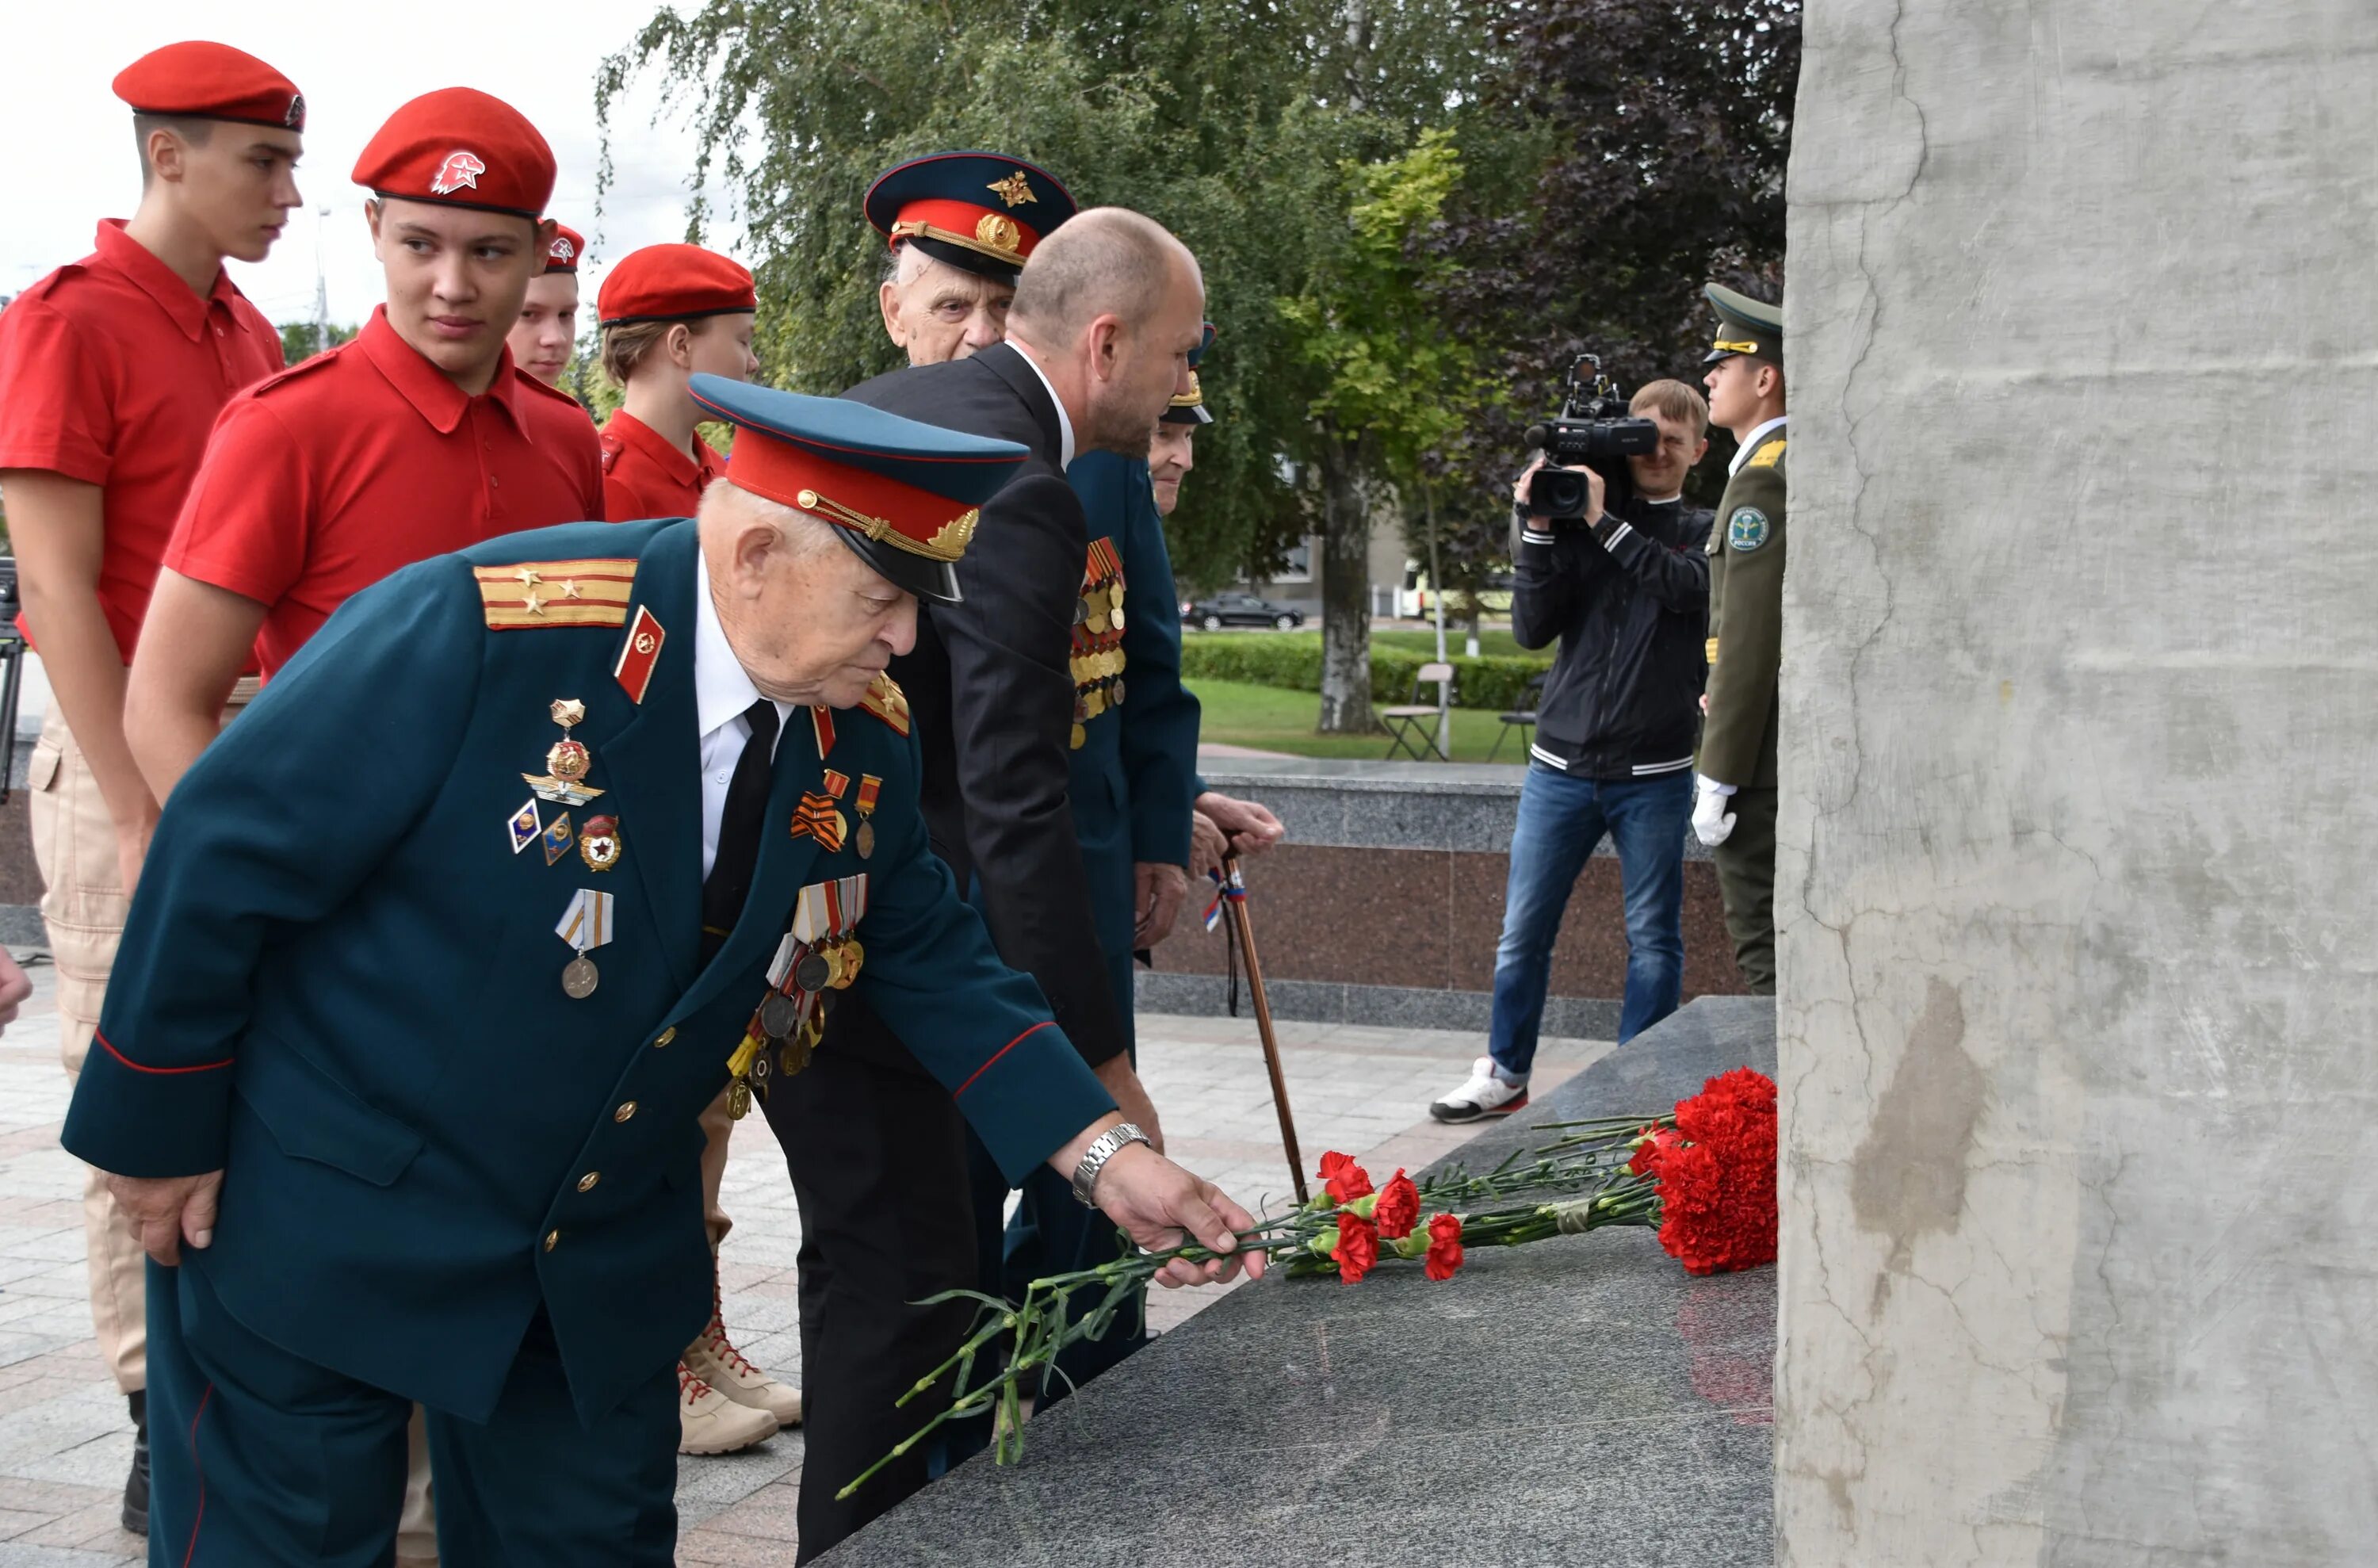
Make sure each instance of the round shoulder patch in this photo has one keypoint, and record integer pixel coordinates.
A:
(1746, 529)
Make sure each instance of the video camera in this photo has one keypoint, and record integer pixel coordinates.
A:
(1593, 430)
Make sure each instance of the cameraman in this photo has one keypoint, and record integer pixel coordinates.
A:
(1627, 592)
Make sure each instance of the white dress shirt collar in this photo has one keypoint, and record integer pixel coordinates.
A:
(1751, 445)
(721, 689)
(1064, 421)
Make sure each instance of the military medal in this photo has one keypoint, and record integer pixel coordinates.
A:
(778, 1014)
(816, 818)
(585, 924)
(1098, 659)
(869, 787)
(524, 827)
(567, 762)
(598, 843)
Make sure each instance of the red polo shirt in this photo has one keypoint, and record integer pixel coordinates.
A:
(112, 373)
(331, 475)
(645, 477)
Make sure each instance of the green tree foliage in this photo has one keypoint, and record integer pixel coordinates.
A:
(301, 341)
(1234, 127)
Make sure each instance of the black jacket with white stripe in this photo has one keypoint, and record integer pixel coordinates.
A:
(1629, 599)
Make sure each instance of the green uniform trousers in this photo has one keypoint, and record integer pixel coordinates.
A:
(1746, 879)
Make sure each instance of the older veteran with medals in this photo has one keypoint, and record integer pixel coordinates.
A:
(442, 1084)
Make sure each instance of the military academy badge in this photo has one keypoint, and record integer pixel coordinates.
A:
(1745, 530)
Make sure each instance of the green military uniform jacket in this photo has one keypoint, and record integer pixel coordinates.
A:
(342, 983)
(1746, 551)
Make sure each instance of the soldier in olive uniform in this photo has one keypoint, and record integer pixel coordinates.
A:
(1733, 804)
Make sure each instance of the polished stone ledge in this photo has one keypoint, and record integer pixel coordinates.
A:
(1393, 1007)
(1389, 805)
(1578, 1401)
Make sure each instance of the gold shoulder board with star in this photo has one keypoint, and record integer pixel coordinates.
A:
(557, 593)
(887, 701)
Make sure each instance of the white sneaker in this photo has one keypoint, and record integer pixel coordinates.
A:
(709, 1422)
(1481, 1096)
(714, 1361)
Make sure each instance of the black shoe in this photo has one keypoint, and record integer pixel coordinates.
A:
(136, 1485)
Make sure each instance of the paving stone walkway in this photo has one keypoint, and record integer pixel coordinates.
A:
(65, 1441)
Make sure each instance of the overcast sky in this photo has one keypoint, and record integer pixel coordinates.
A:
(73, 159)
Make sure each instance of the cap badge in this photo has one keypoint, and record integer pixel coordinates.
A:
(1015, 189)
(460, 171)
(1000, 233)
(562, 250)
(294, 115)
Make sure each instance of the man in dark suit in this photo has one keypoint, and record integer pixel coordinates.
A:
(454, 1141)
(1107, 310)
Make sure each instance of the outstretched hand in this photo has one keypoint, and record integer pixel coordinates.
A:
(1161, 1206)
(164, 1211)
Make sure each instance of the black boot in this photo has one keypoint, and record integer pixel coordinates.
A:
(136, 1485)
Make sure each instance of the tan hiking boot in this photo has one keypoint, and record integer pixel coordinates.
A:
(709, 1422)
(714, 1361)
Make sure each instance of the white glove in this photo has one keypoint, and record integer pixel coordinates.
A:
(1711, 821)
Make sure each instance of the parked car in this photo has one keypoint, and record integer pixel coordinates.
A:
(1240, 610)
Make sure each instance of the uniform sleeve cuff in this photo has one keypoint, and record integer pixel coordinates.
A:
(148, 1122)
(1032, 1099)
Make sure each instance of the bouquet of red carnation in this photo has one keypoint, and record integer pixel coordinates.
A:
(1705, 1177)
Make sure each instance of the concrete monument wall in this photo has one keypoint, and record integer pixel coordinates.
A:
(2078, 889)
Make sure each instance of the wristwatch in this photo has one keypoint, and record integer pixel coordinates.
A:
(1105, 1147)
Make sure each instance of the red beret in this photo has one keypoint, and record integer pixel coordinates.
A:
(568, 246)
(669, 282)
(211, 81)
(463, 149)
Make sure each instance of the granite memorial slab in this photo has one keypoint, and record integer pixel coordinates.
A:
(1574, 1402)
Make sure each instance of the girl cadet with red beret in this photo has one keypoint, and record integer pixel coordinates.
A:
(547, 329)
(112, 370)
(668, 312)
(419, 437)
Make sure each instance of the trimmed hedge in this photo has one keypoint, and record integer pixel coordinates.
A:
(1292, 661)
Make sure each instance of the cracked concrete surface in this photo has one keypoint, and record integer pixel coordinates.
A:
(2078, 989)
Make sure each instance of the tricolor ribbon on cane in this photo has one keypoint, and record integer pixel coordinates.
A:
(1231, 890)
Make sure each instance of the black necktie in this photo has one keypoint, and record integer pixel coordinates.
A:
(739, 825)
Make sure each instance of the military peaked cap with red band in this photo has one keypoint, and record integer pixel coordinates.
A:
(461, 148)
(904, 496)
(568, 246)
(211, 81)
(673, 283)
(984, 212)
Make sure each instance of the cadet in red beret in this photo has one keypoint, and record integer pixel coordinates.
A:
(668, 312)
(547, 329)
(419, 437)
(112, 370)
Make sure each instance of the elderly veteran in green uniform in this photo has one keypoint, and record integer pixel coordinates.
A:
(1734, 803)
(439, 953)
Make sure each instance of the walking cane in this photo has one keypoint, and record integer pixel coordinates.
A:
(1234, 892)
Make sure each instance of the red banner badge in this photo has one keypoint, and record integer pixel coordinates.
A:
(822, 718)
(639, 653)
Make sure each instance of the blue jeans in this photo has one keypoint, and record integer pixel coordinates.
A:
(1561, 820)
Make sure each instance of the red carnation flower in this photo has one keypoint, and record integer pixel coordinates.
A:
(1358, 1248)
(1655, 1144)
(1342, 1178)
(1444, 1247)
(1398, 1207)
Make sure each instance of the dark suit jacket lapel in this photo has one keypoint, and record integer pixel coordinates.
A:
(1007, 362)
(653, 761)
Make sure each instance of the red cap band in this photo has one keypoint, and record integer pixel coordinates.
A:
(914, 520)
(984, 229)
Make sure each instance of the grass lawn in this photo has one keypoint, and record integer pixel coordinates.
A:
(1274, 720)
(1492, 640)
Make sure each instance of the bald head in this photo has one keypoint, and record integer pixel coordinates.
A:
(1107, 261)
(1109, 306)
